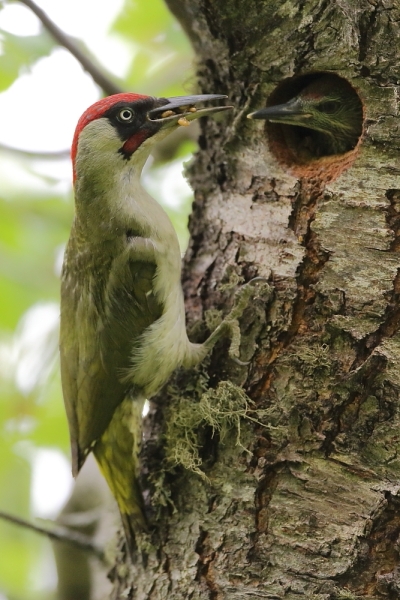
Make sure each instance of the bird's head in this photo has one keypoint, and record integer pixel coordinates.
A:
(327, 105)
(120, 129)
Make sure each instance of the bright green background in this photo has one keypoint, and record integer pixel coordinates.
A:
(32, 229)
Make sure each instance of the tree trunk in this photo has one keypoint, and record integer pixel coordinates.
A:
(280, 479)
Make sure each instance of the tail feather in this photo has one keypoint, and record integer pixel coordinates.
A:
(117, 453)
(132, 526)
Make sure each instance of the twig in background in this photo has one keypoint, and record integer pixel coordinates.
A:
(107, 85)
(39, 154)
(59, 533)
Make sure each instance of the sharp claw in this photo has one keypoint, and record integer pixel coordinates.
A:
(256, 279)
(239, 362)
(230, 324)
(237, 313)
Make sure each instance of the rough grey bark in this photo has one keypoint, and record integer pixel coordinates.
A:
(307, 504)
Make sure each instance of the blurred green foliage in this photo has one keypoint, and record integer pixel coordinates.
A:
(33, 229)
(19, 53)
(162, 62)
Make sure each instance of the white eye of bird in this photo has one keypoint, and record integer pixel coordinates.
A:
(125, 115)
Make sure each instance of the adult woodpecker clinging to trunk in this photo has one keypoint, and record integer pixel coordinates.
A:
(123, 328)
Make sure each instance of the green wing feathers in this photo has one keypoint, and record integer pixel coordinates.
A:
(104, 311)
(99, 331)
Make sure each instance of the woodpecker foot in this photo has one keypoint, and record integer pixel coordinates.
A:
(230, 325)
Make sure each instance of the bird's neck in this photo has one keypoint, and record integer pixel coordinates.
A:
(326, 144)
(101, 192)
(109, 204)
(311, 144)
(337, 141)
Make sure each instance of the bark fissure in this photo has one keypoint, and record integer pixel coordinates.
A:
(264, 493)
(348, 403)
(367, 23)
(309, 39)
(204, 570)
(368, 366)
(391, 319)
(300, 221)
(378, 554)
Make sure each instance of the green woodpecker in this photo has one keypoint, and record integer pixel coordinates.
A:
(123, 328)
(329, 107)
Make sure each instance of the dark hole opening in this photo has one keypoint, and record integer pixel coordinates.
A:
(332, 110)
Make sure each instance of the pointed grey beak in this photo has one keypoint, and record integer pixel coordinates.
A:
(183, 107)
(282, 113)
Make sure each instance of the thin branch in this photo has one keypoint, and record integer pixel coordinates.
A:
(55, 155)
(59, 533)
(108, 86)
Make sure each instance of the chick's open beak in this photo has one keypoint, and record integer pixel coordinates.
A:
(181, 109)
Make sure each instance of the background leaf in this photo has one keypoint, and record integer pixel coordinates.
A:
(19, 53)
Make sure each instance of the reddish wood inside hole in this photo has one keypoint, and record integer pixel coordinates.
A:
(285, 141)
